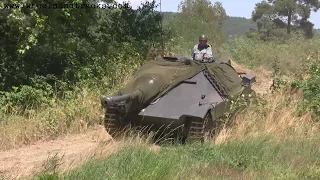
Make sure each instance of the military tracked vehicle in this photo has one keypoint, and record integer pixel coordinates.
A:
(177, 93)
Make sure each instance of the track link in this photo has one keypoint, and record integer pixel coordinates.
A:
(111, 121)
(196, 131)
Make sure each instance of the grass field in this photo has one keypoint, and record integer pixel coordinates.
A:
(256, 158)
(265, 141)
(273, 139)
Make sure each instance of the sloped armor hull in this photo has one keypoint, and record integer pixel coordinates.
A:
(176, 94)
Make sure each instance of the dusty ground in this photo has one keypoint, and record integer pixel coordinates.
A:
(73, 150)
(263, 78)
(70, 151)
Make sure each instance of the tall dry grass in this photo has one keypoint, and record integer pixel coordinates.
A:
(64, 117)
(275, 115)
(289, 57)
(49, 123)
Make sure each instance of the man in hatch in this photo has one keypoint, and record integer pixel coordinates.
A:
(202, 50)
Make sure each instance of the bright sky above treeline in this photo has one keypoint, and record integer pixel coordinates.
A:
(233, 8)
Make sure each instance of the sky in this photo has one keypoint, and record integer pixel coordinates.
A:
(236, 8)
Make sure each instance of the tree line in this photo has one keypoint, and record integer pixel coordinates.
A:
(68, 46)
(275, 18)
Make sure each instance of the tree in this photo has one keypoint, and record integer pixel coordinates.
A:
(204, 9)
(72, 44)
(199, 17)
(288, 14)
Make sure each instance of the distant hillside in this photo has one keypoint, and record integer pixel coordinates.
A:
(233, 25)
(238, 25)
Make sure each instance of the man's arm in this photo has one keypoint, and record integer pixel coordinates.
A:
(193, 50)
(209, 52)
(192, 53)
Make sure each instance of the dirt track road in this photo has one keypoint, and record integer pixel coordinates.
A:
(263, 77)
(75, 149)
(71, 151)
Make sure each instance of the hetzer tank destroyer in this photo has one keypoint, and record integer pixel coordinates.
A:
(173, 92)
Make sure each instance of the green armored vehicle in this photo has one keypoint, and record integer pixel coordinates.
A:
(176, 93)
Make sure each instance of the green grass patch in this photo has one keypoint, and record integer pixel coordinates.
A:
(246, 159)
(290, 57)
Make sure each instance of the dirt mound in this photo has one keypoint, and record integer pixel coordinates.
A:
(263, 78)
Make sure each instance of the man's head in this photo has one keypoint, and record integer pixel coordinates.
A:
(203, 39)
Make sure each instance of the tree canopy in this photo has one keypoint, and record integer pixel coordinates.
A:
(285, 14)
(72, 44)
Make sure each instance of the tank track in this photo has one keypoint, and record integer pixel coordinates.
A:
(196, 131)
(111, 121)
(198, 128)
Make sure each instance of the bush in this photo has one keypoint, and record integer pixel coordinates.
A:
(311, 89)
(21, 98)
